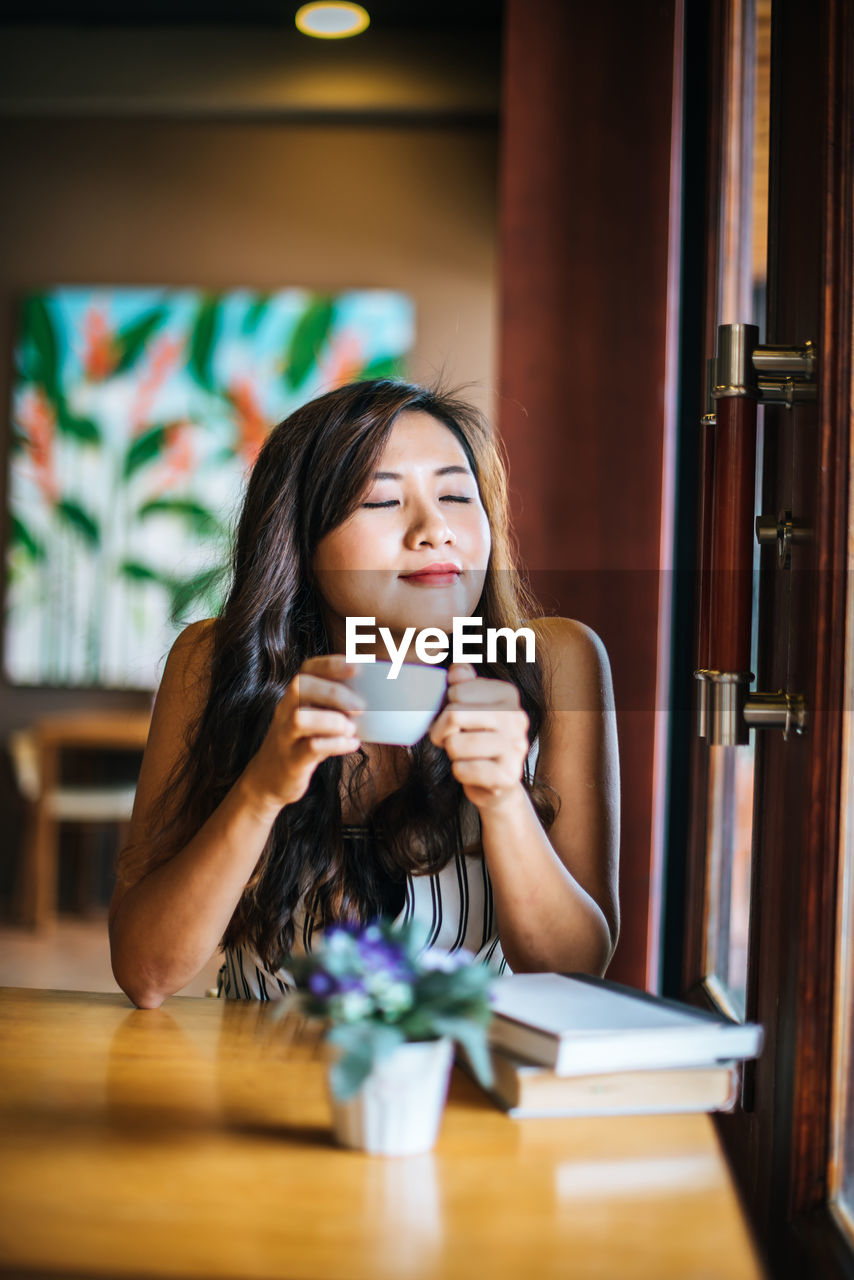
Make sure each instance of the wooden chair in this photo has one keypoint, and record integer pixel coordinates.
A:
(36, 754)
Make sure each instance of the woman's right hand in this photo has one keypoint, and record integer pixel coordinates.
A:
(312, 721)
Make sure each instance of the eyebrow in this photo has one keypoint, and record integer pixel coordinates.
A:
(440, 471)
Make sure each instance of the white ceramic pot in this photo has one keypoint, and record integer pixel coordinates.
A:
(398, 1109)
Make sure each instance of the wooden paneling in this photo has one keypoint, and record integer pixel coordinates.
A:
(585, 216)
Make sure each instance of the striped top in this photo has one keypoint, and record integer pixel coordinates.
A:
(455, 908)
(454, 905)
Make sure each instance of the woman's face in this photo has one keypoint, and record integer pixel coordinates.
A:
(414, 553)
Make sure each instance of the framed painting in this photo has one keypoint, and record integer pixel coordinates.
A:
(136, 416)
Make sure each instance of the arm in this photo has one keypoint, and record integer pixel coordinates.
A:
(167, 925)
(556, 892)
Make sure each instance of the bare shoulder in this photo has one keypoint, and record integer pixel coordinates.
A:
(188, 663)
(575, 661)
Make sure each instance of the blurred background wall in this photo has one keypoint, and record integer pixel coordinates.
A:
(514, 167)
(248, 156)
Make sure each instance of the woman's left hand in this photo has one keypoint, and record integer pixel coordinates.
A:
(485, 733)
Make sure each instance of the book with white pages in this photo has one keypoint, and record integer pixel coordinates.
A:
(527, 1091)
(578, 1025)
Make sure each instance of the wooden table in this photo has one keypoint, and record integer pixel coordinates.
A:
(193, 1140)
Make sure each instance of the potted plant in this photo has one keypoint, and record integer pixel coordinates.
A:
(394, 1010)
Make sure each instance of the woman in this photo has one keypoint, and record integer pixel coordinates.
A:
(260, 817)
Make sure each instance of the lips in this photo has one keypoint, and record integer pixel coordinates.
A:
(436, 575)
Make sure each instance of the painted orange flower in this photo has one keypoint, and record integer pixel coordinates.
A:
(179, 460)
(344, 360)
(252, 424)
(160, 361)
(100, 352)
(37, 418)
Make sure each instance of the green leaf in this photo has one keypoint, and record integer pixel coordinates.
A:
(138, 572)
(19, 441)
(79, 520)
(200, 587)
(27, 365)
(145, 448)
(84, 430)
(40, 330)
(197, 517)
(308, 339)
(362, 1045)
(202, 341)
(255, 313)
(382, 367)
(20, 536)
(471, 1036)
(130, 341)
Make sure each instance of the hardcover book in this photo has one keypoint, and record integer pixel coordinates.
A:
(526, 1091)
(580, 1025)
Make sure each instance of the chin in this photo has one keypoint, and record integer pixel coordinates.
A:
(431, 608)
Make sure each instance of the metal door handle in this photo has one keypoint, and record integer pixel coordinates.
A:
(745, 374)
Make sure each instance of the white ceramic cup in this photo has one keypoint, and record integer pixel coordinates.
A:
(399, 710)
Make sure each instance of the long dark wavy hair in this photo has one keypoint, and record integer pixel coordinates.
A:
(309, 477)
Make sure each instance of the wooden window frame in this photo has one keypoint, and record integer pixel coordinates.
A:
(779, 1137)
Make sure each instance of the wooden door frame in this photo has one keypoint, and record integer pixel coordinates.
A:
(778, 1138)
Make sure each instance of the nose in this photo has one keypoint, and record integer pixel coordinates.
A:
(428, 527)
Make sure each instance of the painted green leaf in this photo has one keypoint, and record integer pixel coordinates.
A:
(202, 586)
(308, 339)
(255, 313)
(40, 332)
(199, 519)
(20, 536)
(382, 367)
(202, 341)
(83, 430)
(19, 441)
(79, 520)
(131, 340)
(27, 364)
(138, 572)
(145, 448)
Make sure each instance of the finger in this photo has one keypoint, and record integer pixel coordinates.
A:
(458, 672)
(474, 746)
(490, 692)
(333, 666)
(483, 773)
(504, 720)
(309, 722)
(317, 691)
(454, 719)
(316, 749)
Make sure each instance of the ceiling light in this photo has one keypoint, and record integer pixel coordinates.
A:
(332, 19)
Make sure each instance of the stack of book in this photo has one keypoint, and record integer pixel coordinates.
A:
(577, 1045)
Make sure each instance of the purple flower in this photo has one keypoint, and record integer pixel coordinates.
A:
(320, 984)
(350, 984)
(377, 955)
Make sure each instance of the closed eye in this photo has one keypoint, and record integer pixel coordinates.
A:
(394, 502)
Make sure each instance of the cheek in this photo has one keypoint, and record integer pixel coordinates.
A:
(344, 549)
(481, 536)
(349, 570)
